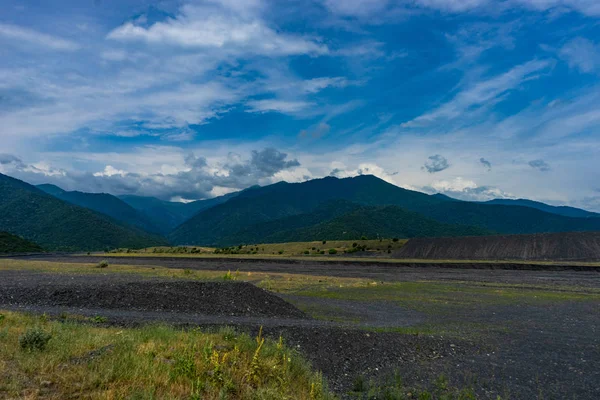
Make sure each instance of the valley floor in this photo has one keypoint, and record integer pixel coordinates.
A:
(504, 333)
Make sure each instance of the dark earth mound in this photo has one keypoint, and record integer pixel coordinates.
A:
(209, 298)
(572, 246)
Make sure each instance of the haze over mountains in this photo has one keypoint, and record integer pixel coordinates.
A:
(320, 209)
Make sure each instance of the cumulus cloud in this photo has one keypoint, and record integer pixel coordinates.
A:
(465, 189)
(339, 170)
(264, 163)
(196, 179)
(109, 170)
(436, 163)
(540, 165)
(485, 163)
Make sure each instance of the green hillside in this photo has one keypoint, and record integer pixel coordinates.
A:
(104, 203)
(273, 211)
(57, 225)
(378, 222)
(353, 222)
(14, 244)
(283, 200)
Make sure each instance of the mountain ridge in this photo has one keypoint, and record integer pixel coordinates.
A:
(54, 224)
(285, 200)
(103, 203)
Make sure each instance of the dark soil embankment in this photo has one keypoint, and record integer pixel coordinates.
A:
(573, 246)
(209, 298)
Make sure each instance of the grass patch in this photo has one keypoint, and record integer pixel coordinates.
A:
(303, 249)
(433, 297)
(158, 362)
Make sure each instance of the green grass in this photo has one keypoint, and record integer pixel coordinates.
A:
(440, 297)
(152, 362)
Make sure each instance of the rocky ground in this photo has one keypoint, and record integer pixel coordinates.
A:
(545, 350)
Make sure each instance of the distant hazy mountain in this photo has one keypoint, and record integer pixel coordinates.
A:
(104, 203)
(508, 219)
(58, 225)
(168, 215)
(277, 204)
(558, 210)
(14, 244)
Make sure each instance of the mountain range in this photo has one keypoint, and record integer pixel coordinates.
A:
(320, 209)
(55, 224)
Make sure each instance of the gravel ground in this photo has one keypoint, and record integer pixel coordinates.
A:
(521, 351)
(207, 298)
(493, 273)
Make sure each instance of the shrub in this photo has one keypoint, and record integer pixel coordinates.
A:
(2, 317)
(102, 264)
(280, 251)
(363, 238)
(324, 241)
(306, 252)
(34, 339)
(99, 319)
(322, 252)
(228, 276)
(354, 244)
(332, 251)
(395, 239)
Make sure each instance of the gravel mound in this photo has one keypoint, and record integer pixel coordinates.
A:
(571, 246)
(209, 298)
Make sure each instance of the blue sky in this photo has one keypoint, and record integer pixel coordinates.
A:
(190, 99)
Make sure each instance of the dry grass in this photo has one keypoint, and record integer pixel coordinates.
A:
(153, 362)
(379, 246)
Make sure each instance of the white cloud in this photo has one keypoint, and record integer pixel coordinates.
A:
(581, 53)
(42, 40)
(465, 189)
(230, 26)
(164, 172)
(109, 170)
(481, 94)
(282, 106)
(458, 184)
(339, 170)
